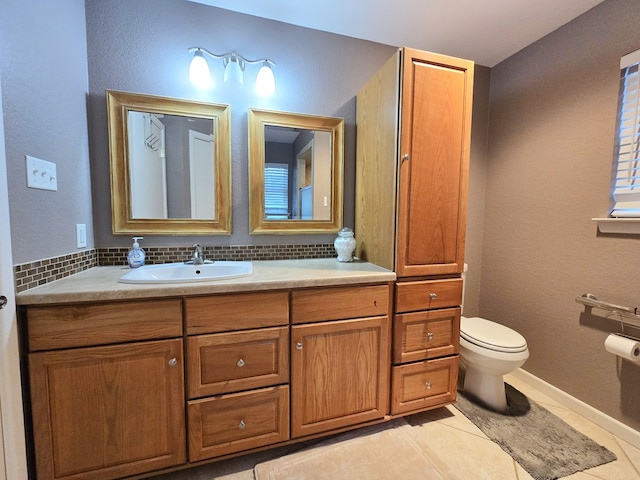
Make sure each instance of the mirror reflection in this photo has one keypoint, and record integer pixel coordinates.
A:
(170, 165)
(295, 172)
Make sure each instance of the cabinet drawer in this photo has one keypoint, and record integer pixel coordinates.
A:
(428, 334)
(232, 423)
(422, 385)
(424, 295)
(321, 304)
(83, 325)
(224, 313)
(229, 362)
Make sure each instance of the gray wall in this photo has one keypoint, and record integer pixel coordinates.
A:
(552, 121)
(142, 47)
(43, 61)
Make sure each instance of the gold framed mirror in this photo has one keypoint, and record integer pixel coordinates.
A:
(295, 173)
(170, 165)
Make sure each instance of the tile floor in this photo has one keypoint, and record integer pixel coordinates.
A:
(451, 438)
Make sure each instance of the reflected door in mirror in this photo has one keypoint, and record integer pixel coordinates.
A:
(147, 165)
(171, 166)
(297, 174)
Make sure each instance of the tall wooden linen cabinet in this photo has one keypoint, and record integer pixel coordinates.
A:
(413, 141)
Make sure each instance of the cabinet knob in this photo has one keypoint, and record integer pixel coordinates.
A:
(405, 157)
(428, 385)
(429, 336)
(299, 346)
(240, 363)
(433, 296)
(241, 425)
(173, 362)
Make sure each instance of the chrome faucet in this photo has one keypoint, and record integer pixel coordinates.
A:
(197, 258)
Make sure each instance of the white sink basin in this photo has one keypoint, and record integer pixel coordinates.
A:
(181, 272)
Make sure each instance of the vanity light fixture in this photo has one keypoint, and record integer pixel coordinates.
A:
(234, 65)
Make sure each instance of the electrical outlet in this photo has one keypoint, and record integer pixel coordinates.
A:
(41, 174)
(81, 235)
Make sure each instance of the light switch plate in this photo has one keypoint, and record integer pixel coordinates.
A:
(41, 174)
(81, 235)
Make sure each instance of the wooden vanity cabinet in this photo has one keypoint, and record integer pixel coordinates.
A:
(412, 161)
(426, 344)
(237, 372)
(109, 386)
(106, 411)
(339, 361)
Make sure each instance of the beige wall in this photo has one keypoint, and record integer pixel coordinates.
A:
(552, 119)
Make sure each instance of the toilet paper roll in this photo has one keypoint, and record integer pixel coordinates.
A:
(624, 347)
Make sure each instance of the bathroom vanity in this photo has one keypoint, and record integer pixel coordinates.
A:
(132, 380)
(126, 381)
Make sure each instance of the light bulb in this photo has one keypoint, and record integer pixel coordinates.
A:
(233, 73)
(199, 73)
(265, 82)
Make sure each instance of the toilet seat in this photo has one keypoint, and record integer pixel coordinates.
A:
(490, 335)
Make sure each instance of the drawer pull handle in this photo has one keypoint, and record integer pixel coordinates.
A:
(428, 385)
(433, 296)
(240, 363)
(173, 362)
(375, 303)
(299, 346)
(241, 425)
(429, 336)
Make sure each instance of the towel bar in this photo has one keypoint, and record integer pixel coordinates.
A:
(628, 315)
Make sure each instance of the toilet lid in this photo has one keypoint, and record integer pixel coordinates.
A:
(491, 335)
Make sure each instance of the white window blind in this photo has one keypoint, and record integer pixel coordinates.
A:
(626, 184)
(276, 191)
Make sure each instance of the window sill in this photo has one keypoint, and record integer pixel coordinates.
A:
(628, 226)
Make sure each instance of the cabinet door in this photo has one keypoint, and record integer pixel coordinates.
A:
(339, 374)
(434, 136)
(108, 412)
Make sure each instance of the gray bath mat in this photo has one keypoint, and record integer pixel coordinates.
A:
(544, 445)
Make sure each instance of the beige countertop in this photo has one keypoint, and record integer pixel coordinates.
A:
(101, 283)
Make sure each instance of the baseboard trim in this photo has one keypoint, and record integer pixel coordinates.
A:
(601, 419)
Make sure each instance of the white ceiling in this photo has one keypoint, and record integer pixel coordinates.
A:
(486, 31)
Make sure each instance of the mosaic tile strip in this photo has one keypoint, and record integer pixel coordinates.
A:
(32, 274)
(40, 272)
(118, 256)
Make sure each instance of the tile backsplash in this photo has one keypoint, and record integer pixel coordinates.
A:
(32, 274)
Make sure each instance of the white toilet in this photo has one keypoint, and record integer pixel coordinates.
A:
(488, 351)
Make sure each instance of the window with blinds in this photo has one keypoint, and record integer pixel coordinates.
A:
(276, 191)
(626, 182)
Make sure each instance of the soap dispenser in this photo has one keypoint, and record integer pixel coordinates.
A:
(136, 254)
